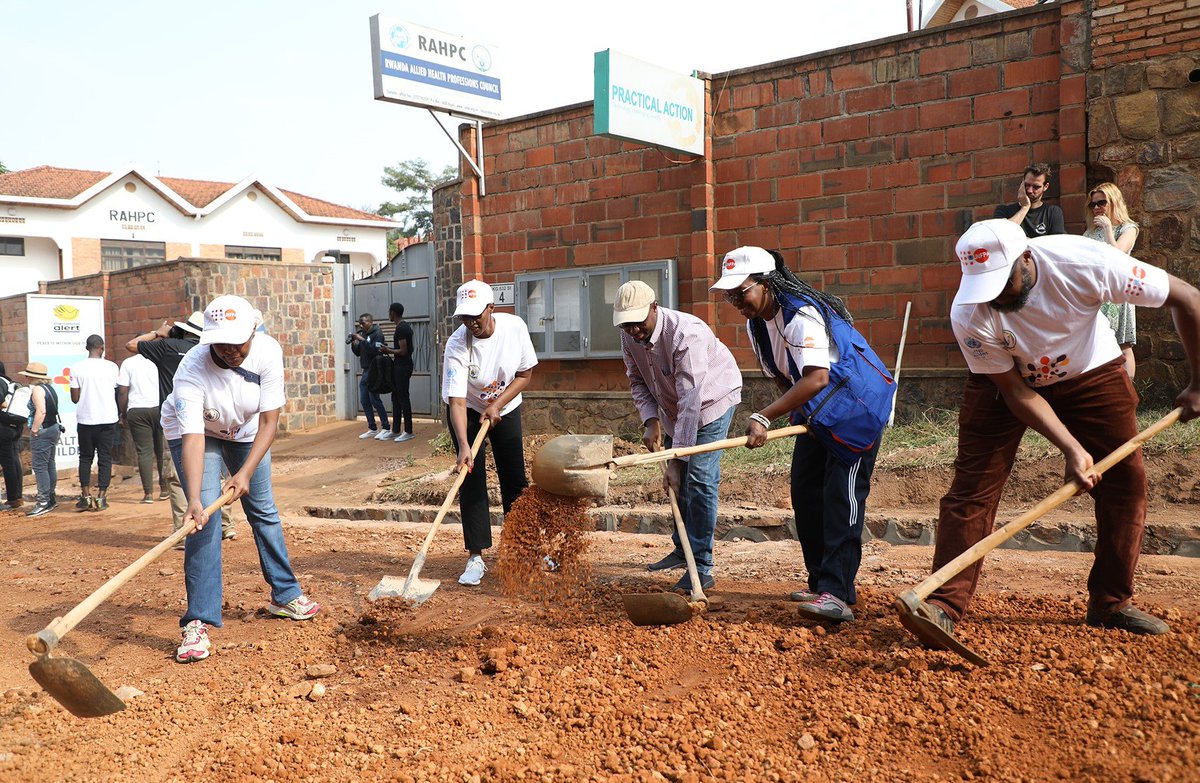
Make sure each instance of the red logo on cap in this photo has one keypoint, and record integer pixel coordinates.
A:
(981, 256)
(469, 293)
(730, 263)
(231, 315)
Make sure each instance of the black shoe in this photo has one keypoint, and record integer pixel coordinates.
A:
(39, 509)
(673, 560)
(1129, 619)
(84, 503)
(147, 499)
(100, 504)
(684, 585)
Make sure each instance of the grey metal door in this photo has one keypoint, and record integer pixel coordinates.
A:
(407, 279)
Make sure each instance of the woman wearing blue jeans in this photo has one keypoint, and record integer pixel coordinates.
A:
(225, 411)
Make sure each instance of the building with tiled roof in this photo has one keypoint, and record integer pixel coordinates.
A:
(940, 12)
(57, 223)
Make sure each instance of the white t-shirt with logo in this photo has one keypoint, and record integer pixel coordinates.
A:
(141, 376)
(168, 419)
(1060, 332)
(96, 380)
(804, 338)
(480, 370)
(221, 403)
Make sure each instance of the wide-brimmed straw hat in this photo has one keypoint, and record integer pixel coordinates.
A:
(36, 370)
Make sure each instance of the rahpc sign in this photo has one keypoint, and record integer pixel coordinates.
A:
(420, 66)
(637, 101)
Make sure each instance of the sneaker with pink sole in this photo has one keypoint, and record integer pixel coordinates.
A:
(195, 645)
(299, 608)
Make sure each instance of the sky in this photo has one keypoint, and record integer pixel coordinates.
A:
(226, 89)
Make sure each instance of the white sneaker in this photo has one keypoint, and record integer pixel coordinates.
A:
(195, 645)
(385, 435)
(368, 434)
(474, 572)
(404, 436)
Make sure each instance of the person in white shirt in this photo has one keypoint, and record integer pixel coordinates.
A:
(138, 404)
(488, 362)
(225, 410)
(93, 390)
(1028, 319)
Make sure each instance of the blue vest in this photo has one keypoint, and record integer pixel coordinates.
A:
(848, 415)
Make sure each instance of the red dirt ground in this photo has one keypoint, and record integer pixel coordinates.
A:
(476, 686)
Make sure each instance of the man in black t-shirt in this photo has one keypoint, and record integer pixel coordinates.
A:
(1035, 218)
(402, 370)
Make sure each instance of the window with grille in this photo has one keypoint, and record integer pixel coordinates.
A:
(12, 246)
(250, 253)
(118, 254)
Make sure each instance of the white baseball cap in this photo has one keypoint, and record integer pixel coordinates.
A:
(987, 252)
(473, 298)
(633, 302)
(228, 319)
(740, 264)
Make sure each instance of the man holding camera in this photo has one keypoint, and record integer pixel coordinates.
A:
(366, 342)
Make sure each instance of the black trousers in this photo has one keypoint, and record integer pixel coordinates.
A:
(401, 402)
(508, 448)
(9, 461)
(829, 499)
(96, 441)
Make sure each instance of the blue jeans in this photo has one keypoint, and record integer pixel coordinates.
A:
(42, 448)
(371, 402)
(202, 551)
(698, 494)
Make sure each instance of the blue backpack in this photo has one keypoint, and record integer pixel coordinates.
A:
(848, 415)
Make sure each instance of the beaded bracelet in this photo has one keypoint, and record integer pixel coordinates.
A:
(761, 419)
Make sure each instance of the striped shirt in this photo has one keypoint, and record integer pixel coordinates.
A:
(684, 377)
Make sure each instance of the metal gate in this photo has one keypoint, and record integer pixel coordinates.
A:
(407, 279)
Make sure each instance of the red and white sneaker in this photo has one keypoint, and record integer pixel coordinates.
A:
(195, 645)
(299, 608)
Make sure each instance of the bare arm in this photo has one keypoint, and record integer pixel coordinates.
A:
(812, 381)
(122, 400)
(39, 409)
(1183, 302)
(160, 333)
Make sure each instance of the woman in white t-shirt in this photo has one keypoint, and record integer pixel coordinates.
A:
(225, 410)
(488, 362)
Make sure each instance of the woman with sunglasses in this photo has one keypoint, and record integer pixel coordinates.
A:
(829, 378)
(1111, 225)
(487, 364)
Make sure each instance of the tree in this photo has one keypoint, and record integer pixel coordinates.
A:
(3, 170)
(415, 183)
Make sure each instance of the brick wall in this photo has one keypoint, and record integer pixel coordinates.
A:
(1144, 135)
(862, 164)
(1132, 30)
(296, 300)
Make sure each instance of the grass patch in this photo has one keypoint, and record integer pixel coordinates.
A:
(928, 442)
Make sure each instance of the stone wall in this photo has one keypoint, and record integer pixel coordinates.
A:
(1144, 134)
(448, 250)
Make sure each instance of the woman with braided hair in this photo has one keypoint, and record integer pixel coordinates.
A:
(829, 378)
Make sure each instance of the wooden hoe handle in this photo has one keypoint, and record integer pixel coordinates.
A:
(686, 451)
(1062, 495)
(44, 640)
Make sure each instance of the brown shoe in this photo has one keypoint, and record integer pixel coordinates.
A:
(12, 505)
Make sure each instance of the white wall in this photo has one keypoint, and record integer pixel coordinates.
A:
(21, 274)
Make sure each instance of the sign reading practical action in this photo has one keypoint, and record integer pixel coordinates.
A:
(420, 66)
(637, 101)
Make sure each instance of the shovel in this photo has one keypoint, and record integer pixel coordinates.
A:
(915, 613)
(67, 680)
(580, 465)
(415, 589)
(669, 608)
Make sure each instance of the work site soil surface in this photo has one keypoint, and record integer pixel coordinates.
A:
(477, 685)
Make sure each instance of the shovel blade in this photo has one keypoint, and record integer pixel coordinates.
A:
(414, 589)
(657, 608)
(73, 685)
(574, 466)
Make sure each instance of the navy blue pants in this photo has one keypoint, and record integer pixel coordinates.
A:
(829, 499)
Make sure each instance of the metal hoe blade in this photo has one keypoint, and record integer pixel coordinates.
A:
(74, 686)
(912, 617)
(658, 608)
(574, 466)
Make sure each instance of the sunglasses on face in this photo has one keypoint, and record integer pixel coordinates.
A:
(1102, 203)
(738, 295)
